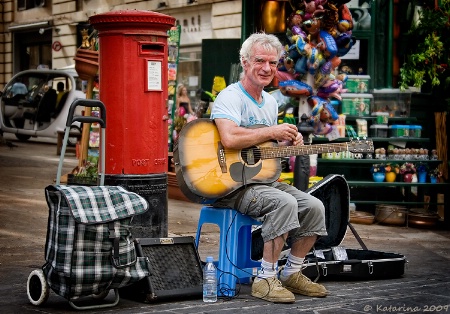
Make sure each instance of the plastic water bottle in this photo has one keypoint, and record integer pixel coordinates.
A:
(209, 281)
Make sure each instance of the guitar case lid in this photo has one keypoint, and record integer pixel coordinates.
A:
(334, 193)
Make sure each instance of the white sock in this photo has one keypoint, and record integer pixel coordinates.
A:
(267, 270)
(293, 265)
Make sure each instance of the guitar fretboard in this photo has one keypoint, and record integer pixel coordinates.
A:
(285, 151)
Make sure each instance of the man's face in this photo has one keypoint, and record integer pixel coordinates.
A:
(261, 68)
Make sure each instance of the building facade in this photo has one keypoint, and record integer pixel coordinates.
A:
(46, 33)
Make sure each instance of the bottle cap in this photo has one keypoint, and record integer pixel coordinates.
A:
(209, 259)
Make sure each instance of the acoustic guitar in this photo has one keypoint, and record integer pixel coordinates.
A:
(207, 171)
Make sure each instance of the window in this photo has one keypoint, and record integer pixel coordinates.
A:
(37, 55)
(189, 71)
(29, 4)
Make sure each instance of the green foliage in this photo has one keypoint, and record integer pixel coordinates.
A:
(89, 168)
(429, 60)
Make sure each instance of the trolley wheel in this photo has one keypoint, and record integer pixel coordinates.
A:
(101, 295)
(37, 287)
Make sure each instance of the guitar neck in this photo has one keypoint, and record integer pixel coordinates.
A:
(286, 151)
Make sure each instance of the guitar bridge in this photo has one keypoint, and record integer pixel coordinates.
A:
(221, 158)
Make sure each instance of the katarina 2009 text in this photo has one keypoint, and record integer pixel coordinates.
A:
(407, 309)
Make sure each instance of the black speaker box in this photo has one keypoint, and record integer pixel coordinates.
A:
(175, 270)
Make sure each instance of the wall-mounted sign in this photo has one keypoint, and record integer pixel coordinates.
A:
(353, 53)
(56, 46)
(195, 25)
(154, 75)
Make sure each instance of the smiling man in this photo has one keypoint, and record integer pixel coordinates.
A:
(286, 213)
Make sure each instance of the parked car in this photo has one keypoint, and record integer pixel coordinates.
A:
(32, 105)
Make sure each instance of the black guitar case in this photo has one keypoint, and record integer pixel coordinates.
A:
(329, 260)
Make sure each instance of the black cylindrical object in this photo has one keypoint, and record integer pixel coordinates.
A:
(152, 187)
(302, 164)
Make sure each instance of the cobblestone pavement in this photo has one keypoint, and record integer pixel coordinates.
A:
(27, 169)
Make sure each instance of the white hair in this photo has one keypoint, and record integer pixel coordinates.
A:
(267, 41)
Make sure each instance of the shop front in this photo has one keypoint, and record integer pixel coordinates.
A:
(32, 46)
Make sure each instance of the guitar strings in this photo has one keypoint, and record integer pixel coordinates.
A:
(270, 152)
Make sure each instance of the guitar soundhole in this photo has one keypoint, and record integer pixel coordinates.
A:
(251, 155)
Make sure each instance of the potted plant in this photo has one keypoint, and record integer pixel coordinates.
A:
(407, 170)
(87, 174)
(378, 172)
(435, 175)
(181, 118)
(178, 124)
(391, 172)
(428, 62)
(422, 170)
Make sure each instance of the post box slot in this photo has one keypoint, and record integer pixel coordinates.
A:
(152, 49)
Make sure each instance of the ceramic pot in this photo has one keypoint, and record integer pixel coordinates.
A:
(378, 177)
(407, 177)
(391, 176)
(390, 214)
(420, 219)
(361, 218)
(87, 53)
(85, 68)
(433, 180)
(422, 177)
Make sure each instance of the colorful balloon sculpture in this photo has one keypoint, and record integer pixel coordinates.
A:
(319, 32)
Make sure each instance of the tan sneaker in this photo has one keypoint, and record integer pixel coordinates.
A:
(270, 289)
(300, 284)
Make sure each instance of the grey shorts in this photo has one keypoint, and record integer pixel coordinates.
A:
(281, 208)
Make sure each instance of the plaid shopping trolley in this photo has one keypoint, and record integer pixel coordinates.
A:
(89, 248)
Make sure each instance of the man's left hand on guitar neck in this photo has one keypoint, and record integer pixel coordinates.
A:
(297, 141)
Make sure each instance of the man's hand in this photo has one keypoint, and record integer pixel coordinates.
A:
(298, 140)
(288, 134)
(236, 137)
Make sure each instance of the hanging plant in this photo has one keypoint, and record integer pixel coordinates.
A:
(428, 62)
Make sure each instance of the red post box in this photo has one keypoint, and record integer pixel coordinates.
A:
(133, 87)
(133, 70)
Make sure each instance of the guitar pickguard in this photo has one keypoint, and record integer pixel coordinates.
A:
(239, 171)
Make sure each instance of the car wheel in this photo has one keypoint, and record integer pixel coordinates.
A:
(23, 137)
(72, 141)
(37, 287)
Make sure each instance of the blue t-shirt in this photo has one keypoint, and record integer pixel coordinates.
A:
(235, 104)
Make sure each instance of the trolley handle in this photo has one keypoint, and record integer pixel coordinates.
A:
(89, 119)
(86, 119)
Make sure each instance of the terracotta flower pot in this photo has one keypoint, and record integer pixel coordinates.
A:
(91, 55)
(85, 68)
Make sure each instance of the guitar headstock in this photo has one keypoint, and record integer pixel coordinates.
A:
(360, 146)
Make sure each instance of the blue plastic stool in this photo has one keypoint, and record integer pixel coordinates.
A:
(234, 248)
